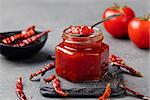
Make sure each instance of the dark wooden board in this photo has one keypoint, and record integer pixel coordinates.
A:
(87, 89)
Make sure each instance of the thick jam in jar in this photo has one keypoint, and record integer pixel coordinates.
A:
(82, 58)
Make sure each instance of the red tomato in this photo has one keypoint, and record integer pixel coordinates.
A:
(117, 27)
(139, 32)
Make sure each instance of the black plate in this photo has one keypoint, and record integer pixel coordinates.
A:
(20, 52)
(85, 89)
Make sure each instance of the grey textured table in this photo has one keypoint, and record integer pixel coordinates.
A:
(57, 14)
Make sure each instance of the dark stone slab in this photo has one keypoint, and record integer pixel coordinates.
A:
(87, 89)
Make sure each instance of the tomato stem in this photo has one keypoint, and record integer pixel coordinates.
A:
(116, 5)
(147, 17)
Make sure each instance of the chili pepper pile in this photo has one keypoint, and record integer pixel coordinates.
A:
(114, 60)
(26, 37)
(56, 81)
(30, 39)
(24, 34)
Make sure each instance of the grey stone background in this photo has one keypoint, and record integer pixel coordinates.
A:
(58, 14)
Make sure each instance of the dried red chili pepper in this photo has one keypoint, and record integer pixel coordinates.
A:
(135, 93)
(25, 34)
(52, 77)
(44, 69)
(115, 60)
(19, 89)
(106, 94)
(30, 39)
(57, 87)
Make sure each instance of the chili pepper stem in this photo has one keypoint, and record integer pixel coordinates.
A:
(139, 74)
(31, 76)
(116, 5)
(147, 17)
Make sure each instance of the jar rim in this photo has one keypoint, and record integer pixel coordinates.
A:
(95, 37)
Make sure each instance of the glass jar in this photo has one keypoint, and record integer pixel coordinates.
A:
(80, 59)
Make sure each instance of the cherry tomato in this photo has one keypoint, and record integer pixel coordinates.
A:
(139, 32)
(117, 26)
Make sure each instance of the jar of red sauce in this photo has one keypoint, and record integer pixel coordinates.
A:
(82, 58)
